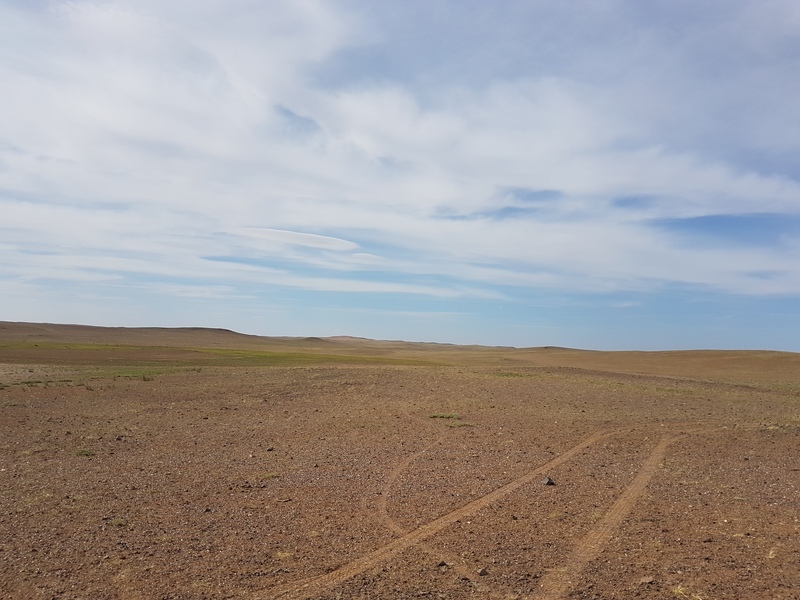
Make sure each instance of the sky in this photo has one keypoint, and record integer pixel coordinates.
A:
(602, 174)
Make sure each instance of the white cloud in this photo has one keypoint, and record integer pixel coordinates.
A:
(295, 238)
(137, 138)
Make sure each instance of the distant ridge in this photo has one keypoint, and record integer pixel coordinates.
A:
(765, 366)
(186, 336)
(56, 333)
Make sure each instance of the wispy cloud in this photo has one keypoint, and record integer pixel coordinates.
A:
(272, 237)
(441, 151)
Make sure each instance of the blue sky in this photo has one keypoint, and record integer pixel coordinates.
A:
(595, 174)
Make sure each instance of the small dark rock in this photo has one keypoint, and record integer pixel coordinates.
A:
(483, 572)
(548, 481)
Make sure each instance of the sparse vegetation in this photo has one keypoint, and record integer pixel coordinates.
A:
(324, 463)
(453, 419)
(138, 360)
(143, 373)
(682, 592)
(118, 522)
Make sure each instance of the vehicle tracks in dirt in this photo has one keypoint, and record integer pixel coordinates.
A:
(556, 583)
(313, 587)
(383, 512)
(394, 475)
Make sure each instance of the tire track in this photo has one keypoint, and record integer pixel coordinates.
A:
(383, 501)
(383, 512)
(315, 586)
(558, 581)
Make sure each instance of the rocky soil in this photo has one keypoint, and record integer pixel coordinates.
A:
(342, 481)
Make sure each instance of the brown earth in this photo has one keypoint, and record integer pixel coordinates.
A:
(192, 463)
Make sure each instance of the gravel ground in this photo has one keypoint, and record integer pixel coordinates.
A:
(383, 481)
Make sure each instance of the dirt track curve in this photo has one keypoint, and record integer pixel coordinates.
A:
(314, 586)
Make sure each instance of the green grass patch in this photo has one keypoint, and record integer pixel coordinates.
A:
(445, 416)
(148, 361)
(143, 373)
(84, 452)
(118, 522)
(228, 357)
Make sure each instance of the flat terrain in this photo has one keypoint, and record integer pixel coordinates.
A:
(199, 464)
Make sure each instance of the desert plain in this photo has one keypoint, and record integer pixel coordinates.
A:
(178, 464)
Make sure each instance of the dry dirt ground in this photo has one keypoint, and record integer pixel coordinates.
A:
(193, 464)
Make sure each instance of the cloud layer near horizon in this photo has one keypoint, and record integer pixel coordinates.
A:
(434, 149)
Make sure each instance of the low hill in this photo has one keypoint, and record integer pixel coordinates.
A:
(53, 343)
